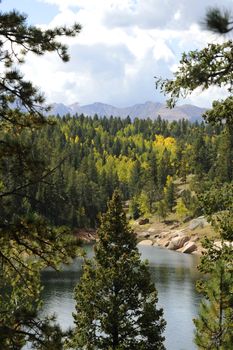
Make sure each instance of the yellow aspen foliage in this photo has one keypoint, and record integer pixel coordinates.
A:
(124, 166)
(161, 143)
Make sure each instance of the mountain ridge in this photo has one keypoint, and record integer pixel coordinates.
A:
(145, 110)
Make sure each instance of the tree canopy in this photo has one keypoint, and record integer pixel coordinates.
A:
(115, 299)
(212, 66)
(27, 242)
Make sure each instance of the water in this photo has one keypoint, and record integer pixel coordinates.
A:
(174, 274)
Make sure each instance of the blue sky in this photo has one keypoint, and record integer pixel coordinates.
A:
(38, 12)
(122, 46)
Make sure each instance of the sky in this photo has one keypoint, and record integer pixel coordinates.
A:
(123, 45)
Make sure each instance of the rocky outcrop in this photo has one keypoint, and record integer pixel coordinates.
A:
(143, 221)
(146, 242)
(177, 242)
(189, 247)
(169, 235)
(144, 234)
(198, 222)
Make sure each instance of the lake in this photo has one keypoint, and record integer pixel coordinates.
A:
(174, 275)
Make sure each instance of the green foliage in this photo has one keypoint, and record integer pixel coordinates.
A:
(220, 112)
(214, 328)
(144, 204)
(162, 209)
(200, 68)
(218, 21)
(169, 193)
(115, 299)
(181, 210)
(27, 242)
(134, 209)
(88, 169)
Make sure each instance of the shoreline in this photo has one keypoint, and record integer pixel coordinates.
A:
(170, 235)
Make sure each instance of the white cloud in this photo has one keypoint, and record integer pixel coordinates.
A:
(206, 97)
(122, 46)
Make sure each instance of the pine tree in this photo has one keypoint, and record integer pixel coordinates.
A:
(181, 210)
(169, 193)
(115, 299)
(214, 328)
(27, 242)
(162, 209)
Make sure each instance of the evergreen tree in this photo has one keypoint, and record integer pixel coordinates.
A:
(181, 210)
(27, 242)
(169, 193)
(212, 66)
(115, 299)
(162, 209)
(134, 209)
(214, 328)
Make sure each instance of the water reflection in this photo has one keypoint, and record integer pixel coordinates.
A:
(174, 274)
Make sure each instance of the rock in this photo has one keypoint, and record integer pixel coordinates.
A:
(174, 234)
(196, 252)
(145, 242)
(187, 218)
(218, 244)
(198, 222)
(171, 246)
(143, 234)
(164, 242)
(152, 230)
(178, 242)
(175, 226)
(190, 247)
(143, 221)
(164, 234)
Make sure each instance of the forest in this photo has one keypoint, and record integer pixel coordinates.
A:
(61, 174)
(90, 157)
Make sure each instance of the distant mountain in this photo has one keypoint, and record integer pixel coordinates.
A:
(145, 110)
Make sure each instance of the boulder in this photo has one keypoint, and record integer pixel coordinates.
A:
(144, 234)
(175, 226)
(143, 221)
(187, 219)
(164, 234)
(178, 242)
(218, 244)
(190, 247)
(174, 234)
(171, 246)
(145, 242)
(198, 222)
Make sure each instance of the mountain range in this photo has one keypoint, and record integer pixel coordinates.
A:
(144, 110)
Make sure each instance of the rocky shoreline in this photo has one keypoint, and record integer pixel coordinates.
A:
(183, 239)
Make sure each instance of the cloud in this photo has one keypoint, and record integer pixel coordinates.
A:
(122, 46)
(151, 14)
